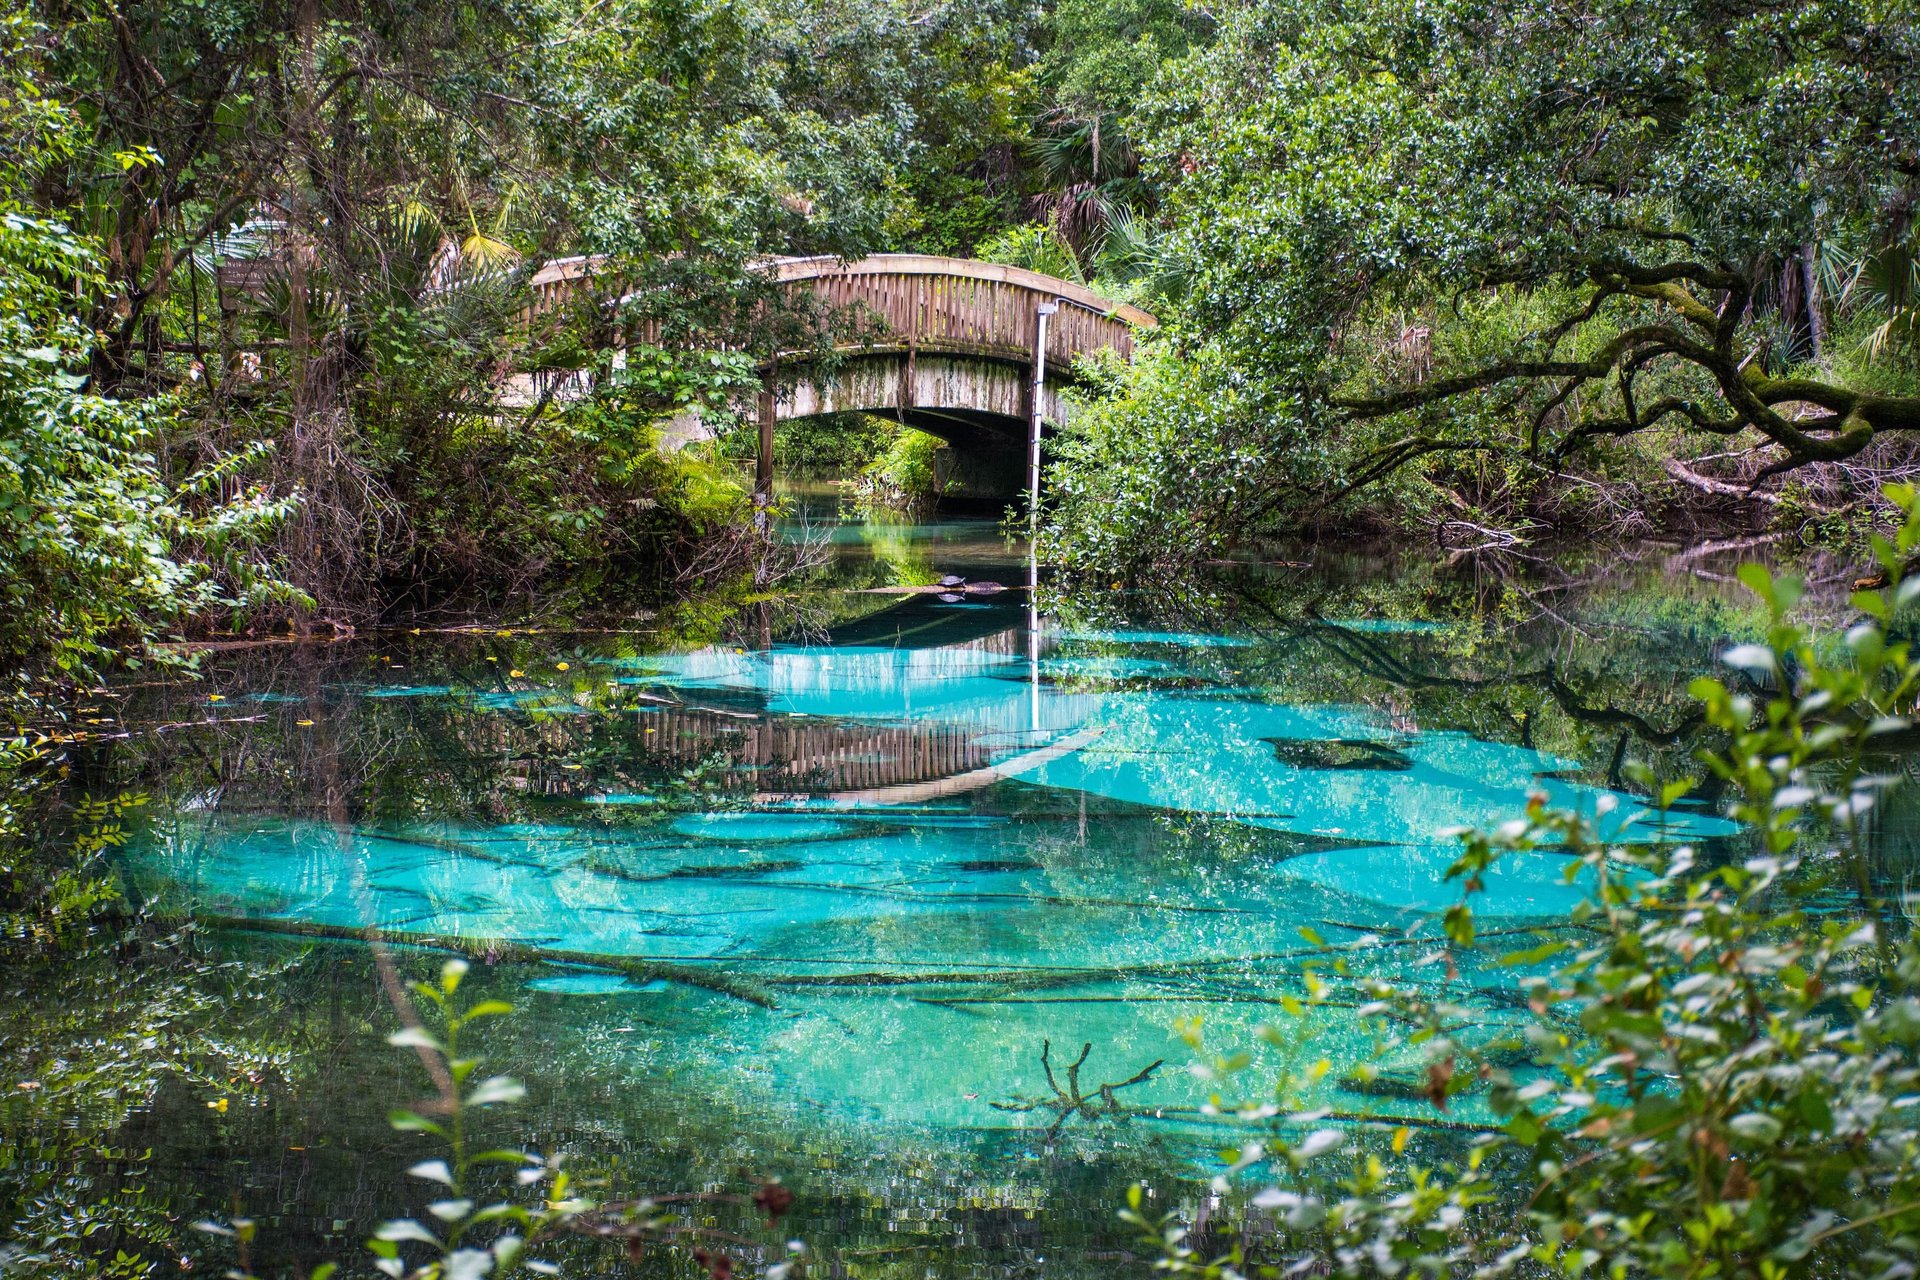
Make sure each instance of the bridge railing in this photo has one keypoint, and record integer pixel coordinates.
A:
(922, 302)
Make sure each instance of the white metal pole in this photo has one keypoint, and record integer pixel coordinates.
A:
(1037, 404)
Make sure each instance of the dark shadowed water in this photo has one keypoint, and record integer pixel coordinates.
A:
(806, 889)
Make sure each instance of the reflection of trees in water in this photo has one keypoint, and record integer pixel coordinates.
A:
(1589, 667)
(1496, 666)
(1367, 654)
(502, 750)
(1599, 675)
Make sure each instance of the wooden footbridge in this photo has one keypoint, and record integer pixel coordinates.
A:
(973, 352)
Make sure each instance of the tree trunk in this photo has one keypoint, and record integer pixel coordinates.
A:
(1810, 297)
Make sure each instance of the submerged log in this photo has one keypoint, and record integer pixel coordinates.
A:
(498, 950)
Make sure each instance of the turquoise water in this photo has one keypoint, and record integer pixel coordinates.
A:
(856, 880)
(821, 887)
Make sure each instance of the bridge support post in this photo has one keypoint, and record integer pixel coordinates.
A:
(1036, 409)
(763, 461)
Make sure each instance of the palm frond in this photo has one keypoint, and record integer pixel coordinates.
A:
(1037, 246)
(486, 255)
(1887, 280)
(1135, 252)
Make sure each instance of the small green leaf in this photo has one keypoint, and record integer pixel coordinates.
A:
(487, 1009)
(414, 1038)
(406, 1229)
(496, 1089)
(1459, 923)
(412, 1122)
(1870, 602)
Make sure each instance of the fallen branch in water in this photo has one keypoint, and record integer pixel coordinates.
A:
(1195, 998)
(503, 950)
(1071, 1101)
(1032, 978)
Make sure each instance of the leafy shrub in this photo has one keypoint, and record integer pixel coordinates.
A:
(1725, 1052)
(904, 478)
(100, 550)
(1171, 462)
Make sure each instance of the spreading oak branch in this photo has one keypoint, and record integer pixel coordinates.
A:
(1693, 331)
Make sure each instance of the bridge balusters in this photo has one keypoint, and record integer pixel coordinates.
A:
(922, 304)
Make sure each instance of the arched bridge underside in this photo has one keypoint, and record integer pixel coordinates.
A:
(950, 345)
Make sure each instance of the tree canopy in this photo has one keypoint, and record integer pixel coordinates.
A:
(1521, 229)
(308, 229)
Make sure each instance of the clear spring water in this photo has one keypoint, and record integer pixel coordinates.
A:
(819, 887)
(1054, 885)
(946, 849)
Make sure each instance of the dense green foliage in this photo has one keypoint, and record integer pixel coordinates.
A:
(316, 228)
(91, 524)
(269, 359)
(1496, 243)
(908, 476)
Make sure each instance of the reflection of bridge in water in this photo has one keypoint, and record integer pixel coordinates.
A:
(849, 764)
(868, 725)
